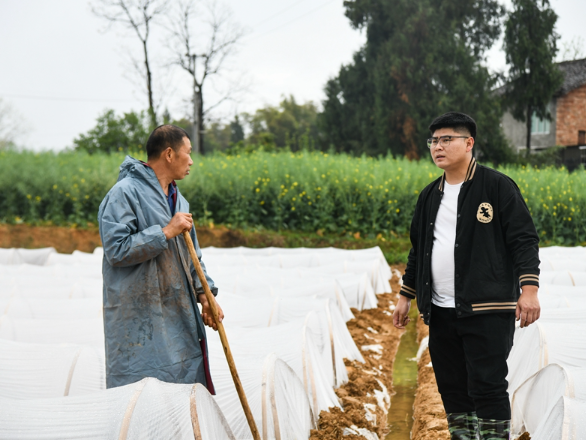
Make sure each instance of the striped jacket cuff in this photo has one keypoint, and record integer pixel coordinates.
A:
(494, 306)
(407, 291)
(529, 279)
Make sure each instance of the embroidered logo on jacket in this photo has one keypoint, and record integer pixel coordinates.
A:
(484, 214)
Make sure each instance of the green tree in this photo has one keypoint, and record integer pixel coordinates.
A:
(236, 131)
(421, 58)
(531, 45)
(289, 124)
(113, 133)
(217, 137)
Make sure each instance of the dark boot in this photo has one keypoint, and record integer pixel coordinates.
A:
(494, 429)
(463, 426)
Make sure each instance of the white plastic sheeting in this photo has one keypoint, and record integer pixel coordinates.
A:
(148, 409)
(274, 392)
(34, 371)
(285, 317)
(25, 256)
(298, 345)
(547, 365)
(543, 343)
(51, 331)
(37, 308)
(534, 400)
(566, 421)
(327, 260)
(563, 278)
(280, 310)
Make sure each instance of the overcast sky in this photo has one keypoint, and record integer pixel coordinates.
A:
(60, 70)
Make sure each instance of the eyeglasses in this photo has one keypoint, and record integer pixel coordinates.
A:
(444, 141)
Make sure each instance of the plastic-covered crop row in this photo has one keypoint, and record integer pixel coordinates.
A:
(285, 319)
(148, 409)
(547, 365)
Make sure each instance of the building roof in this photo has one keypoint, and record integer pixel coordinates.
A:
(574, 75)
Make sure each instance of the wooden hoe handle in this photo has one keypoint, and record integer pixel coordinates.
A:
(223, 338)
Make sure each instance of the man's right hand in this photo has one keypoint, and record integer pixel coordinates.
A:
(180, 222)
(401, 314)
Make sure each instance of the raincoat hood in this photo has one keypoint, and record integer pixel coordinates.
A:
(132, 167)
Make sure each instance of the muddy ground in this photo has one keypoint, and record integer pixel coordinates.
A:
(67, 240)
(376, 372)
(429, 423)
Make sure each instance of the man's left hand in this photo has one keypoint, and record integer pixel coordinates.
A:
(206, 311)
(528, 308)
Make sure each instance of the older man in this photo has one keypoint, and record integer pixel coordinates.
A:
(152, 325)
(473, 267)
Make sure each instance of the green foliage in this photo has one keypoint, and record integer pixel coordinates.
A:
(545, 158)
(220, 137)
(308, 191)
(531, 45)
(217, 137)
(556, 200)
(236, 131)
(290, 125)
(111, 133)
(304, 191)
(65, 188)
(421, 59)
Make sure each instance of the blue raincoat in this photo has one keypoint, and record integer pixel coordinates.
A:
(152, 325)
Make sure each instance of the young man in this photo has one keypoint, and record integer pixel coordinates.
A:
(152, 325)
(473, 267)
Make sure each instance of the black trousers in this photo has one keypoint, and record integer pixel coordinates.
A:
(469, 357)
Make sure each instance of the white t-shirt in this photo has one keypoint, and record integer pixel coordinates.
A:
(444, 240)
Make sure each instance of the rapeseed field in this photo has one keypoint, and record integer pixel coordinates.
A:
(301, 191)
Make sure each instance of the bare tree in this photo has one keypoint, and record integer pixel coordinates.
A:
(222, 38)
(138, 16)
(572, 50)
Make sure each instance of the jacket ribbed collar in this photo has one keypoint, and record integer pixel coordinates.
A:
(469, 174)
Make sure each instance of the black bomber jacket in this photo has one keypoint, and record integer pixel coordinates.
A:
(496, 249)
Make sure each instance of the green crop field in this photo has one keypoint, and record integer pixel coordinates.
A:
(307, 191)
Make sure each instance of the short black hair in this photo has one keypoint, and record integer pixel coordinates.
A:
(455, 120)
(163, 137)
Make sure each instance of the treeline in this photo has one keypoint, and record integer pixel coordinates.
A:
(289, 125)
(421, 58)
